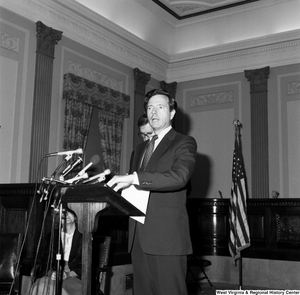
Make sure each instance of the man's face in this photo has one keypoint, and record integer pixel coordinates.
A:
(146, 132)
(158, 112)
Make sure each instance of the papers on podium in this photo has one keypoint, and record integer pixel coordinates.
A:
(138, 198)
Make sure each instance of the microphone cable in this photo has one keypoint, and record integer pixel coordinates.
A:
(51, 243)
(27, 226)
(29, 220)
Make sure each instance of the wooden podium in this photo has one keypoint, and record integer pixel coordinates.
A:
(89, 202)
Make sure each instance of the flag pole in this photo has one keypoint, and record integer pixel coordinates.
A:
(238, 126)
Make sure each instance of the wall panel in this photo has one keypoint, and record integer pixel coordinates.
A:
(289, 134)
(293, 122)
(16, 94)
(7, 115)
(209, 115)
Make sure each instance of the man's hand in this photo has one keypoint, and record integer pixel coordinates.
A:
(71, 274)
(52, 275)
(121, 181)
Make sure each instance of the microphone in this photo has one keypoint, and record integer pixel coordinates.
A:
(41, 188)
(94, 161)
(71, 166)
(66, 153)
(41, 191)
(100, 177)
(77, 178)
(45, 186)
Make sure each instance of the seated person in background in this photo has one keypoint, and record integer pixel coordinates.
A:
(145, 130)
(71, 263)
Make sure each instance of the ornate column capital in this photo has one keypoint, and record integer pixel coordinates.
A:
(141, 79)
(258, 79)
(171, 88)
(47, 38)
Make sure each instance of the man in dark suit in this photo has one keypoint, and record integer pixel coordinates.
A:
(160, 246)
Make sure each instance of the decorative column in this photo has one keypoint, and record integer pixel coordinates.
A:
(141, 79)
(171, 88)
(259, 131)
(47, 38)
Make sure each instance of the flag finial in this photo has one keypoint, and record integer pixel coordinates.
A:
(237, 123)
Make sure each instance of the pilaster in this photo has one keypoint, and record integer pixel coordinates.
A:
(259, 131)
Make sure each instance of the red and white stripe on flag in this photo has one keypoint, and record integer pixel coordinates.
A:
(239, 238)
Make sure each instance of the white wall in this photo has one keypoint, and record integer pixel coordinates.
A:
(211, 106)
(16, 98)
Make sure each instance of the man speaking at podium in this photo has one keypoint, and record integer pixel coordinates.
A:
(160, 246)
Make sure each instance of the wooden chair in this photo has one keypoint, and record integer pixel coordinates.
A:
(10, 245)
(194, 261)
(101, 248)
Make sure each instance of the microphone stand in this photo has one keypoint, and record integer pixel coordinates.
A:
(46, 190)
(58, 256)
(67, 158)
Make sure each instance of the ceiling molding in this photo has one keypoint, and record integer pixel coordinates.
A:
(271, 39)
(122, 46)
(101, 35)
(274, 55)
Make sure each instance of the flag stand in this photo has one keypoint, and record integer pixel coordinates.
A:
(240, 273)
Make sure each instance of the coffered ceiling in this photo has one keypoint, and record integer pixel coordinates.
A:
(184, 9)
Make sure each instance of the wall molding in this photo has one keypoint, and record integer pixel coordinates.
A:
(9, 42)
(293, 88)
(95, 76)
(211, 99)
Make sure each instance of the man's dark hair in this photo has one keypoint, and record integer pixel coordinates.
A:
(149, 94)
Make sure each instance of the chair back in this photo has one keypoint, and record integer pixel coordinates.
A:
(101, 248)
(10, 245)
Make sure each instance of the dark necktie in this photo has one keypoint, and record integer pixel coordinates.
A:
(148, 152)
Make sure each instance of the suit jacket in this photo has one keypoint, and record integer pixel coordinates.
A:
(166, 227)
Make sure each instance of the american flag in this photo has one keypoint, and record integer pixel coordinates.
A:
(239, 229)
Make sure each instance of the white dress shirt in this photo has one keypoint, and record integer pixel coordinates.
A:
(67, 244)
